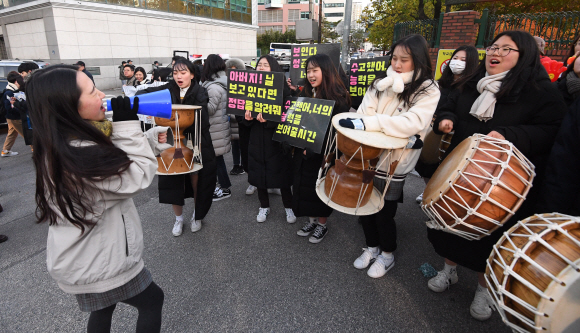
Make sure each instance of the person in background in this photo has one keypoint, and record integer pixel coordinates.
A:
(463, 63)
(240, 145)
(81, 66)
(575, 48)
(541, 46)
(322, 81)
(509, 97)
(156, 64)
(569, 82)
(15, 81)
(121, 73)
(140, 76)
(161, 74)
(129, 72)
(26, 68)
(130, 62)
(269, 165)
(215, 81)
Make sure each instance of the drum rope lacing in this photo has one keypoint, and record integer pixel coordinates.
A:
(196, 142)
(437, 220)
(508, 270)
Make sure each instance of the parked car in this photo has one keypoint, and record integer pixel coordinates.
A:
(9, 65)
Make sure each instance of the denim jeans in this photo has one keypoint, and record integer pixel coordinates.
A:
(222, 172)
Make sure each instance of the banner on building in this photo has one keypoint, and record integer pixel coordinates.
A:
(443, 58)
(305, 122)
(301, 52)
(258, 92)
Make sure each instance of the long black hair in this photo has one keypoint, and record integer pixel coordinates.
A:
(161, 74)
(331, 87)
(64, 172)
(526, 70)
(418, 48)
(212, 66)
(447, 79)
(274, 65)
(573, 46)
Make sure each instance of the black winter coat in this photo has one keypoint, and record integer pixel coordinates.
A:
(562, 85)
(268, 165)
(529, 118)
(561, 192)
(174, 189)
(305, 201)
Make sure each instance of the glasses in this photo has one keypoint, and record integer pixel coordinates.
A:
(503, 51)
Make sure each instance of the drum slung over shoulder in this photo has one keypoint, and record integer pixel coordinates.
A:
(373, 139)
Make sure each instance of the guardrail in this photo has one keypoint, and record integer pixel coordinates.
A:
(426, 28)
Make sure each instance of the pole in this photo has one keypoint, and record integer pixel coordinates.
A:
(346, 32)
(319, 21)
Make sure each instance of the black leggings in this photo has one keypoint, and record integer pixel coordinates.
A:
(265, 198)
(380, 228)
(149, 303)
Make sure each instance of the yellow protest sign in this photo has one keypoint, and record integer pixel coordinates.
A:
(444, 57)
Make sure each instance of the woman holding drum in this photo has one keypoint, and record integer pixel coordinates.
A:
(510, 97)
(400, 105)
(324, 82)
(199, 185)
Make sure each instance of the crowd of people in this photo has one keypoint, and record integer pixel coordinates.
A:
(508, 95)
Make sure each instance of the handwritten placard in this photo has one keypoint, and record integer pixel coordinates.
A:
(258, 92)
(305, 122)
(363, 72)
(301, 52)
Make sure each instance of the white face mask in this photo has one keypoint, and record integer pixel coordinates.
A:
(457, 66)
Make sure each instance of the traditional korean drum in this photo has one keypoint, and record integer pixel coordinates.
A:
(478, 187)
(533, 274)
(444, 144)
(431, 144)
(180, 159)
(348, 185)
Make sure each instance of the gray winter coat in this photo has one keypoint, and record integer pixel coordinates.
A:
(218, 119)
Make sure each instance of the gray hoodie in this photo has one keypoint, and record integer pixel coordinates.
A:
(218, 119)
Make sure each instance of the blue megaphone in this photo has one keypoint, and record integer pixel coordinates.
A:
(156, 104)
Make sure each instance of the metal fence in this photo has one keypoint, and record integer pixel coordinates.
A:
(425, 28)
(558, 29)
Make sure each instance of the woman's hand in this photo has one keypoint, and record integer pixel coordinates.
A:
(162, 137)
(496, 135)
(260, 118)
(12, 100)
(248, 115)
(289, 82)
(122, 110)
(446, 126)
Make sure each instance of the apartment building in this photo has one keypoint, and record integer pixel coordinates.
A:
(281, 15)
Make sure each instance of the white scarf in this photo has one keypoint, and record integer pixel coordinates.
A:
(484, 105)
(395, 80)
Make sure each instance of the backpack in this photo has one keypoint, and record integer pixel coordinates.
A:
(2, 108)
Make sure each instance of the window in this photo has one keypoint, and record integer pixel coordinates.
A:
(304, 15)
(291, 27)
(268, 16)
(332, 5)
(261, 30)
(261, 2)
(333, 14)
(293, 1)
(293, 15)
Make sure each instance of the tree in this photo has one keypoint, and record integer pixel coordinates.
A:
(357, 39)
(329, 34)
(271, 36)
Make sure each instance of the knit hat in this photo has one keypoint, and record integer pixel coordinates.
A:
(235, 62)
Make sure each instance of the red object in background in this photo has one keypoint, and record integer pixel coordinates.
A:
(553, 67)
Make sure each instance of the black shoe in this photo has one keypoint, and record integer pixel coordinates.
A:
(3, 238)
(221, 193)
(237, 170)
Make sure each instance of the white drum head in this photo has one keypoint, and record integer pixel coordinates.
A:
(196, 167)
(373, 139)
(373, 206)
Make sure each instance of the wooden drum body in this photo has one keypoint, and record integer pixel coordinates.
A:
(179, 159)
(533, 274)
(478, 187)
(348, 185)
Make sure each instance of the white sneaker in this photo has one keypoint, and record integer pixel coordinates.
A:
(251, 189)
(195, 225)
(274, 191)
(178, 228)
(381, 266)
(290, 217)
(8, 153)
(419, 199)
(442, 281)
(262, 214)
(365, 259)
(482, 305)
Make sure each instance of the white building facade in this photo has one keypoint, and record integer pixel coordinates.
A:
(333, 10)
(104, 34)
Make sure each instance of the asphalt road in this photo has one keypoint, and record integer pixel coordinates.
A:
(237, 275)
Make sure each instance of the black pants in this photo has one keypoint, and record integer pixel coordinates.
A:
(244, 143)
(149, 303)
(265, 199)
(380, 228)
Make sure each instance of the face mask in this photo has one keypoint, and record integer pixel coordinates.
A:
(457, 66)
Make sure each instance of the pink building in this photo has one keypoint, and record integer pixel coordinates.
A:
(281, 15)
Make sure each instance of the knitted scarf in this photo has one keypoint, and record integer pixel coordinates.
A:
(484, 105)
(104, 126)
(573, 84)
